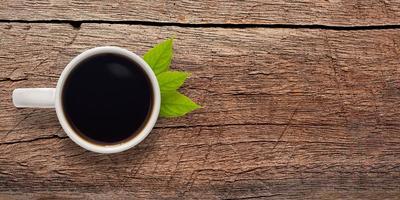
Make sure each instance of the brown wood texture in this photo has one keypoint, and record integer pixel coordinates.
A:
(323, 12)
(288, 114)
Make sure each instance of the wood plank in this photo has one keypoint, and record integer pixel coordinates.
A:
(323, 12)
(288, 114)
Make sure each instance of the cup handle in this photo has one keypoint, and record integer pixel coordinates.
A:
(34, 97)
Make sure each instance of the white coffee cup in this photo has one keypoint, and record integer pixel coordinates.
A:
(51, 98)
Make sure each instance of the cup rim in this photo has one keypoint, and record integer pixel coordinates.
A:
(113, 148)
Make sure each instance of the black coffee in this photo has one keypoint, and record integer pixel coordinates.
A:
(107, 98)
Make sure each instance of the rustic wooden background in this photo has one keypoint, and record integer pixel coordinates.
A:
(301, 100)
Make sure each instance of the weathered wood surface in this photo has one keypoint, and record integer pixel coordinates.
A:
(323, 12)
(288, 114)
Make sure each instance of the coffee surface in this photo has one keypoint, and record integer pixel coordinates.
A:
(107, 98)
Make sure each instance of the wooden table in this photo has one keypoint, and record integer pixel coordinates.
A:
(301, 100)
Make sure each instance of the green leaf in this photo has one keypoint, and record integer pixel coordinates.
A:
(171, 80)
(160, 56)
(175, 104)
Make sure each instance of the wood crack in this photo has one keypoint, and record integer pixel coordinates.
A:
(286, 127)
(267, 124)
(13, 79)
(254, 197)
(76, 24)
(23, 119)
(34, 140)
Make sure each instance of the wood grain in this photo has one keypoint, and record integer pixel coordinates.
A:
(288, 114)
(322, 12)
